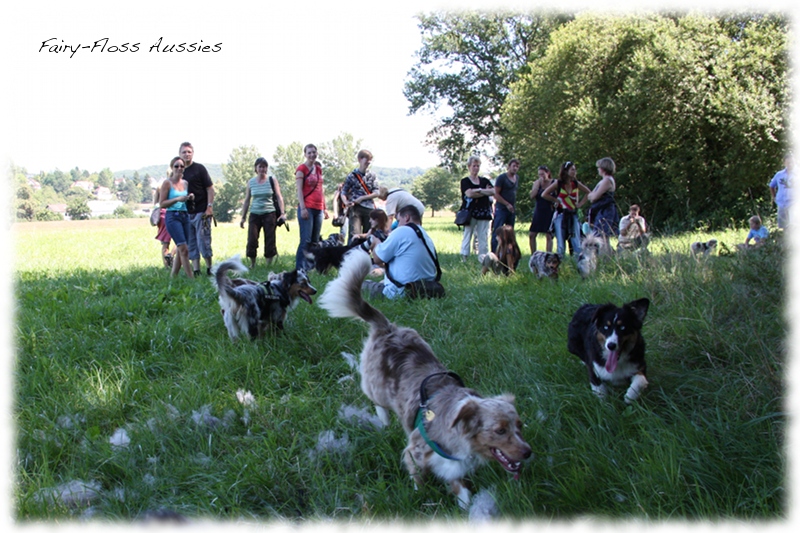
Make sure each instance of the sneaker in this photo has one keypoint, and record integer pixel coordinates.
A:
(196, 273)
(208, 271)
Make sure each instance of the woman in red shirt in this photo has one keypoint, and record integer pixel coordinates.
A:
(311, 208)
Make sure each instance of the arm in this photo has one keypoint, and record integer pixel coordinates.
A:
(584, 188)
(600, 189)
(245, 205)
(548, 193)
(210, 192)
(278, 196)
(535, 188)
(301, 202)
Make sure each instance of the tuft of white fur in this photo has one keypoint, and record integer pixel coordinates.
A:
(352, 360)
(483, 507)
(336, 299)
(234, 263)
(360, 416)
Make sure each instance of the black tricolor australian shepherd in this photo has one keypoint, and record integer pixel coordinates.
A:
(609, 341)
(324, 258)
(249, 306)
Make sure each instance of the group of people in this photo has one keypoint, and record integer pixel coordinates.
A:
(186, 202)
(557, 202)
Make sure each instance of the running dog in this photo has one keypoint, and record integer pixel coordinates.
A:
(251, 307)
(545, 264)
(609, 341)
(704, 249)
(326, 257)
(451, 429)
(591, 246)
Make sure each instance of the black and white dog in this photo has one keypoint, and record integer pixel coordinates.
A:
(704, 249)
(324, 258)
(609, 341)
(249, 306)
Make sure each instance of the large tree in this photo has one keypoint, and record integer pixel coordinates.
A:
(466, 65)
(229, 196)
(692, 108)
(284, 166)
(437, 188)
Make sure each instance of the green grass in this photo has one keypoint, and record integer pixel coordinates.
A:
(105, 339)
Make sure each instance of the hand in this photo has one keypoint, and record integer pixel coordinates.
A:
(241, 224)
(325, 214)
(304, 213)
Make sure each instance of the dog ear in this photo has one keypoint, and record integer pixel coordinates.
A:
(470, 416)
(639, 307)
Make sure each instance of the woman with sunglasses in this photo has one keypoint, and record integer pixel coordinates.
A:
(174, 195)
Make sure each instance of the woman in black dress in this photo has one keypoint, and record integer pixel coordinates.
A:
(542, 211)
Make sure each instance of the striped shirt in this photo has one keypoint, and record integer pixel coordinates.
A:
(262, 197)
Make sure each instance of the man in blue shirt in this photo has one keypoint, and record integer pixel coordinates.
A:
(781, 190)
(404, 255)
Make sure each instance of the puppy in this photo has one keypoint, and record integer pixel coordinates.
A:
(545, 264)
(609, 341)
(591, 246)
(326, 257)
(249, 306)
(451, 429)
(704, 249)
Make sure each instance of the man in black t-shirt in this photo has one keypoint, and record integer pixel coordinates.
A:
(200, 211)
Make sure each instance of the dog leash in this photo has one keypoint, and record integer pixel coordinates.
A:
(424, 414)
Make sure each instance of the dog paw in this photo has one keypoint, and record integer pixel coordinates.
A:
(600, 390)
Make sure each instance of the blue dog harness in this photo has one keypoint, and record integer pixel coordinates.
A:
(424, 414)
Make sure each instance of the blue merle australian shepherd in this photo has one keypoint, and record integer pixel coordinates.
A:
(250, 306)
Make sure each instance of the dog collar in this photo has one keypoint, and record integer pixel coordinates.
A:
(426, 415)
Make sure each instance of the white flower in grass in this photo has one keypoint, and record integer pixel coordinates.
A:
(246, 398)
(120, 439)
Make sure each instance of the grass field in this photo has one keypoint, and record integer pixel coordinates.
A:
(125, 380)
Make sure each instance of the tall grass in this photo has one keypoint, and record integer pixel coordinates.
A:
(106, 340)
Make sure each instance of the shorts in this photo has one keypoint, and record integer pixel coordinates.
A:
(199, 237)
(178, 226)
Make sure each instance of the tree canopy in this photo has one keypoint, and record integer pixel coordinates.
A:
(692, 109)
(467, 63)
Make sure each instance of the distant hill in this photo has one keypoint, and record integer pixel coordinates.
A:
(388, 177)
(159, 171)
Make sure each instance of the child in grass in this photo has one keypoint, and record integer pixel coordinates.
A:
(758, 233)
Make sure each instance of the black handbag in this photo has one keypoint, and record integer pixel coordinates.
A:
(463, 216)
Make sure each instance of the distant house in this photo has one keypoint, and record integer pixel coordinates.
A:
(86, 185)
(58, 208)
(33, 184)
(103, 193)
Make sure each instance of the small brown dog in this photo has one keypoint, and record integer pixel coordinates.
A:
(451, 429)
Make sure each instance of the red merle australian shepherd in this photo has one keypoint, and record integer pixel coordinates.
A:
(609, 341)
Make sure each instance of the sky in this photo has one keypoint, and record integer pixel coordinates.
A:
(285, 72)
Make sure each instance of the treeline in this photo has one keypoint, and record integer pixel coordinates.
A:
(692, 107)
(56, 187)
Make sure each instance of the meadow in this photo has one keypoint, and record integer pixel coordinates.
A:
(126, 381)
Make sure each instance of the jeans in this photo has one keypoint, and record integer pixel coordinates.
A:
(177, 223)
(574, 236)
(309, 232)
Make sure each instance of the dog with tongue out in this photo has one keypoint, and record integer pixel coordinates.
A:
(609, 341)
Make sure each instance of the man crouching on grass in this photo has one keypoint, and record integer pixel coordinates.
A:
(403, 256)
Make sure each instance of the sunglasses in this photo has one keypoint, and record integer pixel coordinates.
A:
(178, 166)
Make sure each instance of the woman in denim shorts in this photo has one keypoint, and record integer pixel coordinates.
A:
(174, 196)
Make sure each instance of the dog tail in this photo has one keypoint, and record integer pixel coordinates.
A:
(219, 277)
(342, 297)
